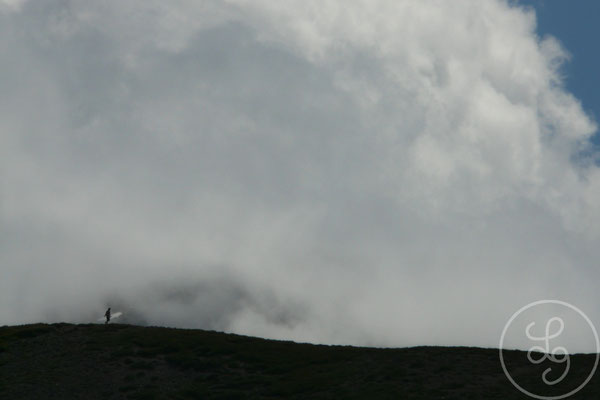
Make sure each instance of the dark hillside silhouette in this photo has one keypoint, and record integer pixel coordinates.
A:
(114, 361)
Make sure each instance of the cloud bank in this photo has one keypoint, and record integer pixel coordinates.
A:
(382, 172)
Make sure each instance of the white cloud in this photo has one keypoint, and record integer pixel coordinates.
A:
(11, 5)
(381, 172)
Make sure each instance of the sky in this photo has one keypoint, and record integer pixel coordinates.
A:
(573, 23)
(382, 173)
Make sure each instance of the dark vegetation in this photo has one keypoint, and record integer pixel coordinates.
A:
(63, 361)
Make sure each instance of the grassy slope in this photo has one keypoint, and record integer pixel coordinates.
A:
(66, 361)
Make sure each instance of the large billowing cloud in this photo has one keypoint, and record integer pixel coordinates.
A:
(370, 172)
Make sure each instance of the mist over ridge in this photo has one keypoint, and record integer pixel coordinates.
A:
(386, 173)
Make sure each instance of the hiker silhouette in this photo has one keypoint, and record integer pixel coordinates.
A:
(107, 315)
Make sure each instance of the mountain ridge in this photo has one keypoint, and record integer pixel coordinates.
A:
(117, 361)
